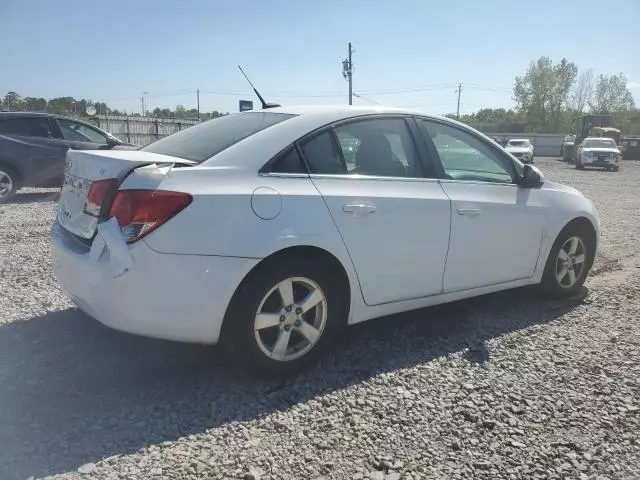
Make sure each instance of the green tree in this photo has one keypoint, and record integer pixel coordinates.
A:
(542, 93)
(612, 95)
(32, 104)
(13, 102)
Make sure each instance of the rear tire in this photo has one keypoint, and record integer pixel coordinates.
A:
(264, 334)
(8, 183)
(569, 261)
(616, 169)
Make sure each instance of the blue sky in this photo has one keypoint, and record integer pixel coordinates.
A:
(113, 51)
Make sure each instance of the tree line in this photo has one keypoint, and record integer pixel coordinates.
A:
(549, 96)
(71, 106)
(547, 99)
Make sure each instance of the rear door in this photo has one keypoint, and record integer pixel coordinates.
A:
(496, 225)
(39, 155)
(389, 208)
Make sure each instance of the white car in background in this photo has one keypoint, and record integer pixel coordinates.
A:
(521, 148)
(252, 230)
(598, 152)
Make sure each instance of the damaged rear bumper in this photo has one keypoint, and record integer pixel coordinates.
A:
(140, 291)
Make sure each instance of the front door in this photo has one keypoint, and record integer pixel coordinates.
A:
(496, 226)
(393, 219)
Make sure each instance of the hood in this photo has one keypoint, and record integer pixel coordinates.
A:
(601, 150)
(517, 149)
(560, 187)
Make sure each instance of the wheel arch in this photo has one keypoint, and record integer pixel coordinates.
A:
(584, 222)
(13, 166)
(580, 221)
(300, 251)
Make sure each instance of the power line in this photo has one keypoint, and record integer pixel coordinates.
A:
(366, 99)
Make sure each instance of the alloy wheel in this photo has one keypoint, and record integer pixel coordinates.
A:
(570, 262)
(290, 319)
(6, 184)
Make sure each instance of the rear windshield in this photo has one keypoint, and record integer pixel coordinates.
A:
(518, 143)
(205, 140)
(599, 143)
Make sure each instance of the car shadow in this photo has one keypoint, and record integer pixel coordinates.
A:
(34, 197)
(75, 392)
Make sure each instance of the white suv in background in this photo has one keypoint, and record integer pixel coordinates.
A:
(521, 148)
(598, 152)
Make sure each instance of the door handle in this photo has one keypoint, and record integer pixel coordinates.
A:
(359, 209)
(469, 211)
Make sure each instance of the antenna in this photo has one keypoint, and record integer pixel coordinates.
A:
(264, 104)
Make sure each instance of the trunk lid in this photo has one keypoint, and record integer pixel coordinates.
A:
(83, 167)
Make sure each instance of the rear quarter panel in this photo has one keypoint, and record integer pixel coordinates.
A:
(222, 220)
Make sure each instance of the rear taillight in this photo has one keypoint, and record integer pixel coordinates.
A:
(95, 197)
(139, 212)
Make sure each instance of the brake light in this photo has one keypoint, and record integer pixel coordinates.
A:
(139, 212)
(96, 195)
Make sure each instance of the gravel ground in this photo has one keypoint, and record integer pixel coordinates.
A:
(507, 386)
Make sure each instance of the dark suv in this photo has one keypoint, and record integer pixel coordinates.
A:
(33, 147)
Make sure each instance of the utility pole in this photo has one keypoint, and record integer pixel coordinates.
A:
(347, 72)
(142, 104)
(198, 98)
(458, 110)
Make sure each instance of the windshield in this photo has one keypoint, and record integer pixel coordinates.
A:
(518, 143)
(599, 143)
(203, 141)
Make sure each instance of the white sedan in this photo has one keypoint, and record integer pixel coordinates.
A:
(521, 148)
(253, 230)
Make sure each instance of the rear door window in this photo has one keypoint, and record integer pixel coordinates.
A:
(79, 132)
(203, 141)
(26, 127)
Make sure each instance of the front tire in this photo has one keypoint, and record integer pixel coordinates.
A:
(283, 316)
(8, 183)
(579, 165)
(569, 261)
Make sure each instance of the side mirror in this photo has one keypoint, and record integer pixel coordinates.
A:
(112, 142)
(532, 177)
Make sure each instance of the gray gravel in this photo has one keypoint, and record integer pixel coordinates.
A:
(508, 386)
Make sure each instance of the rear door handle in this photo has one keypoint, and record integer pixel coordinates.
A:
(469, 211)
(359, 209)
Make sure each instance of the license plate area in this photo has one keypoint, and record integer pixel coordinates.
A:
(71, 206)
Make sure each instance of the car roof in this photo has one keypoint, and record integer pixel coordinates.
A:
(256, 149)
(600, 138)
(519, 140)
(344, 111)
(26, 114)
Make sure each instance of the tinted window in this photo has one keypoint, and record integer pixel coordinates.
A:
(78, 132)
(379, 147)
(289, 162)
(466, 157)
(322, 154)
(28, 127)
(203, 141)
